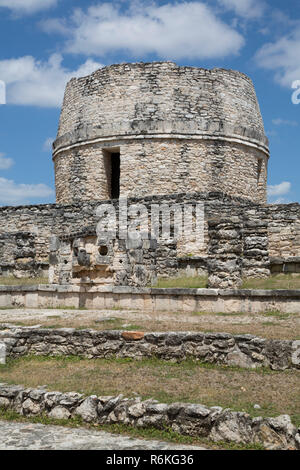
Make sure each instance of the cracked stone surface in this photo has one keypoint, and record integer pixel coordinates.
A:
(28, 436)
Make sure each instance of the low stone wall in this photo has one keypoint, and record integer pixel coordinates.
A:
(214, 423)
(221, 348)
(187, 300)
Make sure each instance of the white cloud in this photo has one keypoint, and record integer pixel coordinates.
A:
(282, 56)
(279, 189)
(248, 9)
(48, 144)
(284, 122)
(5, 163)
(32, 82)
(12, 193)
(172, 31)
(27, 6)
(271, 133)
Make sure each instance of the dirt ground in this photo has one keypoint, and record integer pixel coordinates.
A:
(269, 325)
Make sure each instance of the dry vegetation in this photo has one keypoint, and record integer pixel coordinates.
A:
(198, 282)
(24, 281)
(275, 392)
(271, 325)
(279, 281)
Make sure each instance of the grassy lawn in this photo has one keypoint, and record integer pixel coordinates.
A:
(183, 282)
(279, 281)
(238, 389)
(24, 281)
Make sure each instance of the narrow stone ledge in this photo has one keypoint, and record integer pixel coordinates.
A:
(155, 299)
(293, 293)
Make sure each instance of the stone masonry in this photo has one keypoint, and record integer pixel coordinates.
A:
(245, 351)
(215, 423)
(157, 133)
(203, 127)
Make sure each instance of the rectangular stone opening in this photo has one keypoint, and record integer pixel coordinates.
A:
(115, 175)
(112, 167)
(259, 170)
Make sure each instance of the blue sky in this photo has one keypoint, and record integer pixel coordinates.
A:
(46, 42)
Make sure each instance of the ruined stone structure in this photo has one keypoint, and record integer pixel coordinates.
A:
(158, 134)
(125, 129)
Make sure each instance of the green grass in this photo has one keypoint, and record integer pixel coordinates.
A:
(189, 364)
(11, 308)
(279, 281)
(66, 307)
(229, 314)
(276, 314)
(24, 281)
(199, 282)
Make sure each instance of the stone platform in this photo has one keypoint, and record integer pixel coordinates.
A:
(151, 299)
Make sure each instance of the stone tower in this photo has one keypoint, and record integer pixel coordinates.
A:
(157, 128)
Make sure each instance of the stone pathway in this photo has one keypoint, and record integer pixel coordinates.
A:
(27, 436)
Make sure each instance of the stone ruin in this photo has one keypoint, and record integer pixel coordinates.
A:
(84, 258)
(157, 134)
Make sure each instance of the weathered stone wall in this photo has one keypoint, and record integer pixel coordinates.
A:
(237, 248)
(214, 423)
(25, 234)
(225, 253)
(18, 255)
(25, 231)
(173, 126)
(83, 258)
(146, 168)
(220, 348)
(40, 222)
(255, 259)
(284, 230)
(119, 95)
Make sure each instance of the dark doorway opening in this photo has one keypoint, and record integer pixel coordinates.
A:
(115, 176)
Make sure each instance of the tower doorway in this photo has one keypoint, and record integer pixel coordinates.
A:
(115, 175)
(112, 170)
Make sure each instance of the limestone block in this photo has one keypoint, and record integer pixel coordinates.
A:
(2, 353)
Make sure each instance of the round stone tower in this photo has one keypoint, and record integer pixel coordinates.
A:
(157, 128)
